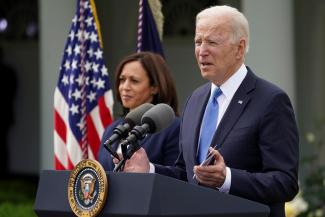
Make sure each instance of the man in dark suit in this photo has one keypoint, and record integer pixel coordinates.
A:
(254, 146)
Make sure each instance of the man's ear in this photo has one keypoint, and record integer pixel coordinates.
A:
(241, 48)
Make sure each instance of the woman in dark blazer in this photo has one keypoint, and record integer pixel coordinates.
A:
(145, 78)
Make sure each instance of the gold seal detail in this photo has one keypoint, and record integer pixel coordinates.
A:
(87, 188)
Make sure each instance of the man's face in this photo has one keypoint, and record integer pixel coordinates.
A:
(217, 57)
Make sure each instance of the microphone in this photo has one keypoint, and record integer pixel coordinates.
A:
(154, 120)
(121, 131)
(131, 119)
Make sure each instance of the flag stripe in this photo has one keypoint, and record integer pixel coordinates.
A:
(93, 137)
(96, 121)
(105, 115)
(58, 164)
(74, 148)
(60, 151)
(60, 127)
(90, 153)
(60, 106)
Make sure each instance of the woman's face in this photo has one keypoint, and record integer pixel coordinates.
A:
(134, 85)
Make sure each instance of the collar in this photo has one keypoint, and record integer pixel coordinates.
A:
(232, 84)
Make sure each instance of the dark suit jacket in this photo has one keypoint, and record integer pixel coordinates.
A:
(162, 147)
(259, 140)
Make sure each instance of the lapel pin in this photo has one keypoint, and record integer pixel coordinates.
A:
(240, 101)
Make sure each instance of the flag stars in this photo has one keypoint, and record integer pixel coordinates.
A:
(93, 37)
(76, 49)
(83, 83)
(69, 50)
(91, 96)
(87, 81)
(80, 80)
(83, 34)
(71, 35)
(87, 66)
(74, 109)
(71, 79)
(81, 124)
(74, 20)
(95, 27)
(93, 82)
(74, 64)
(100, 83)
(65, 80)
(76, 94)
(95, 67)
(86, 35)
(67, 65)
(86, 5)
(104, 71)
(90, 52)
(89, 21)
(99, 54)
(69, 94)
(79, 34)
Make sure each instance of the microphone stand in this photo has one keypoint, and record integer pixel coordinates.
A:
(113, 153)
(127, 152)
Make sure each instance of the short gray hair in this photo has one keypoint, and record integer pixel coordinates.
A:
(239, 23)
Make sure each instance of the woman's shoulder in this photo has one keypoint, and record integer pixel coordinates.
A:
(175, 124)
(177, 120)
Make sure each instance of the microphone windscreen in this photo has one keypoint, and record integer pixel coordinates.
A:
(158, 117)
(134, 117)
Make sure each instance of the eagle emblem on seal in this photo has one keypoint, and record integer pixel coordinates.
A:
(87, 188)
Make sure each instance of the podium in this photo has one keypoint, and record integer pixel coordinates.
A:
(137, 194)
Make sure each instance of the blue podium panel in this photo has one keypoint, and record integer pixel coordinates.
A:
(137, 194)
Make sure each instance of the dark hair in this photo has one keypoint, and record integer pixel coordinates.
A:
(159, 76)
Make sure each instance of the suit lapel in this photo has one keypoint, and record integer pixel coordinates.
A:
(201, 100)
(237, 105)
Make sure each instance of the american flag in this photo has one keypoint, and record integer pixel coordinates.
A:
(83, 99)
(148, 36)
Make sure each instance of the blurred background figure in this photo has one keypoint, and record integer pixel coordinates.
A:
(140, 78)
(8, 90)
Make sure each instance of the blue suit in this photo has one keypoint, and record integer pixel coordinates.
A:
(259, 140)
(162, 147)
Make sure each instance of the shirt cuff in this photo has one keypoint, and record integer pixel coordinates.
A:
(151, 168)
(226, 185)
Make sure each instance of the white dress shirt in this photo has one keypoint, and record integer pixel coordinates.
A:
(229, 89)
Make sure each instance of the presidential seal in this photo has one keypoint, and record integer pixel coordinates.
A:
(87, 188)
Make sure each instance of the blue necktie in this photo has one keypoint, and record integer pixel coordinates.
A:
(209, 124)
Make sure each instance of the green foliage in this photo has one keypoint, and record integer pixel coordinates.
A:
(8, 209)
(17, 198)
(314, 181)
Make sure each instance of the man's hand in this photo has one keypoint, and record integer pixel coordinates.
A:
(212, 175)
(138, 163)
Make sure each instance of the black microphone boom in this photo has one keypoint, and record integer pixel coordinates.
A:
(158, 117)
(155, 119)
(131, 119)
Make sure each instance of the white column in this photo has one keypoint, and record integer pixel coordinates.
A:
(55, 17)
(271, 53)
